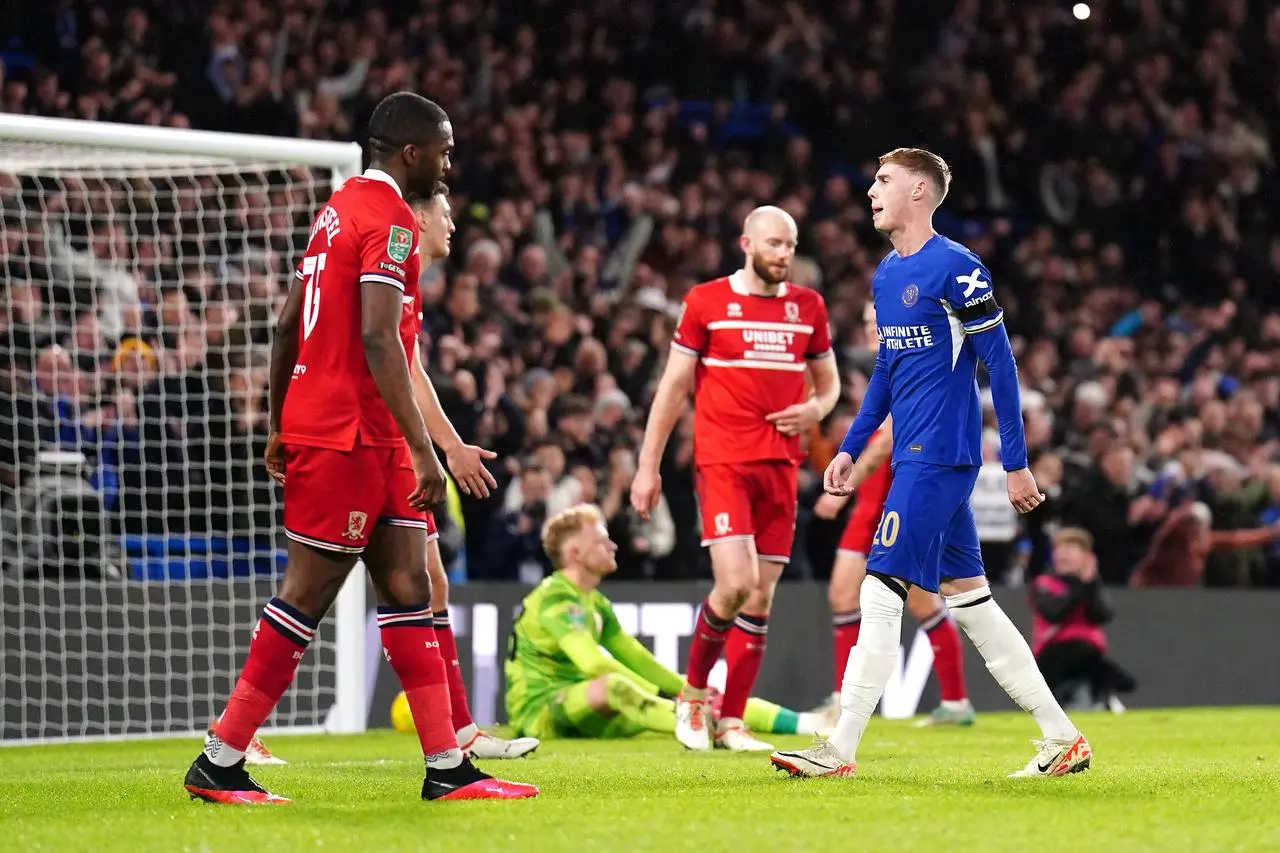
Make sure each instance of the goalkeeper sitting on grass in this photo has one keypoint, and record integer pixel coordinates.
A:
(561, 682)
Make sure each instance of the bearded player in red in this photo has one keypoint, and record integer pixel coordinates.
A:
(872, 477)
(744, 345)
(357, 463)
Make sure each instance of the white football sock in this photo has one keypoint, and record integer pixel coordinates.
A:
(871, 664)
(219, 753)
(446, 760)
(1010, 660)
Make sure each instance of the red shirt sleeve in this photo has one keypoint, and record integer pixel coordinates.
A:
(387, 242)
(691, 331)
(820, 340)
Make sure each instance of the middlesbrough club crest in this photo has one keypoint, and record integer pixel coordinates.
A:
(355, 525)
(792, 310)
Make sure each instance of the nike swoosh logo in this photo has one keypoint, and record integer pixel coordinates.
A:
(444, 785)
(798, 756)
(1044, 768)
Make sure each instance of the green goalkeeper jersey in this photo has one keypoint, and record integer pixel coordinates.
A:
(536, 663)
(557, 641)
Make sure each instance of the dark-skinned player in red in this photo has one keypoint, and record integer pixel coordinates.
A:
(360, 473)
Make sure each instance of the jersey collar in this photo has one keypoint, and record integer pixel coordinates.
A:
(379, 175)
(738, 286)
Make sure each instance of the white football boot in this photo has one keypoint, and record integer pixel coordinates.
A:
(734, 736)
(692, 730)
(484, 745)
(1057, 758)
(258, 754)
(818, 761)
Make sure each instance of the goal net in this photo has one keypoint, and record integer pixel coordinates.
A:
(140, 274)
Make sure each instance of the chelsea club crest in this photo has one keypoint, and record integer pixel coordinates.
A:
(910, 295)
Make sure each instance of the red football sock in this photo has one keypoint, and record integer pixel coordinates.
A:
(460, 711)
(846, 626)
(279, 640)
(708, 642)
(948, 662)
(744, 652)
(410, 643)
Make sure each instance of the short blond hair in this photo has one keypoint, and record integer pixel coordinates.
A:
(566, 524)
(922, 162)
(1074, 536)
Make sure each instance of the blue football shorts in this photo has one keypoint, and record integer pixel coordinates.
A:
(927, 533)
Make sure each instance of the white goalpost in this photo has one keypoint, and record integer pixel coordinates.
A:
(141, 270)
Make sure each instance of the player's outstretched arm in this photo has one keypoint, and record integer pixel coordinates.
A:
(581, 648)
(668, 401)
(284, 357)
(465, 461)
(633, 655)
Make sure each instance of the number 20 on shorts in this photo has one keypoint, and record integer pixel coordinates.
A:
(887, 531)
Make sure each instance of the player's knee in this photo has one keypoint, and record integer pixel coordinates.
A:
(959, 599)
(312, 592)
(730, 596)
(759, 602)
(882, 599)
(733, 586)
(406, 588)
(922, 604)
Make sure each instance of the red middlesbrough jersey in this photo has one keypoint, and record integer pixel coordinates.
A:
(366, 236)
(751, 354)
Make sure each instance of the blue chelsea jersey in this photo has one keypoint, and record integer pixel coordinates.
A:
(938, 315)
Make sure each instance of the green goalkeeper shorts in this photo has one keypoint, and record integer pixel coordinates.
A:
(567, 713)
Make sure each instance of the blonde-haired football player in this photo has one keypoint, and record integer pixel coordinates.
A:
(561, 682)
(938, 316)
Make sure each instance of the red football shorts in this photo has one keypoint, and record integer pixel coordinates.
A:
(860, 529)
(333, 498)
(750, 501)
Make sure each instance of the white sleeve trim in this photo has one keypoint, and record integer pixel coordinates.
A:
(684, 349)
(983, 325)
(382, 279)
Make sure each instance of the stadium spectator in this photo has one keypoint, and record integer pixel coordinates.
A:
(1183, 543)
(1116, 174)
(1069, 639)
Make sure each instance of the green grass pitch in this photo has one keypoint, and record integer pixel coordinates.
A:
(1197, 780)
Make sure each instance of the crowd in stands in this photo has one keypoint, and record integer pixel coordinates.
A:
(1117, 175)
